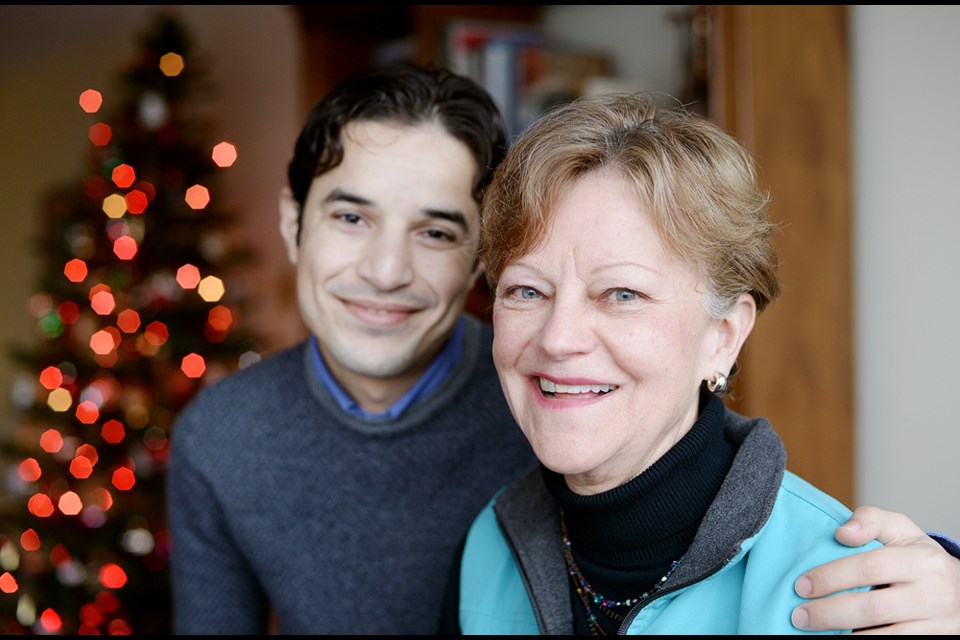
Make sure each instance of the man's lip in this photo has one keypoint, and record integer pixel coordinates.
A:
(379, 306)
(378, 314)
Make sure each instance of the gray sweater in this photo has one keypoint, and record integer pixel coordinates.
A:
(279, 501)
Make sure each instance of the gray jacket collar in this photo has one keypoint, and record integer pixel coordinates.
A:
(528, 517)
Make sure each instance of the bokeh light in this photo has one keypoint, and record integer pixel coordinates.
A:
(188, 276)
(103, 303)
(70, 503)
(153, 111)
(102, 498)
(81, 468)
(220, 317)
(125, 248)
(112, 431)
(224, 154)
(91, 617)
(100, 134)
(8, 584)
(80, 238)
(87, 412)
(136, 201)
(89, 452)
(30, 540)
(30, 470)
(193, 365)
(50, 620)
(114, 205)
(75, 270)
(128, 320)
(123, 479)
(101, 342)
(171, 64)
(197, 196)
(51, 378)
(123, 175)
(68, 311)
(59, 400)
(40, 505)
(51, 441)
(248, 358)
(156, 333)
(211, 289)
(91, 100)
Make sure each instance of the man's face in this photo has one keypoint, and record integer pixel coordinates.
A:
(387, 254)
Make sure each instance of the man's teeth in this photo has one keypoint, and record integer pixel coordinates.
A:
(550, 388)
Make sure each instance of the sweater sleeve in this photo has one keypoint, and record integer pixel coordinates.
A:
(952, 546)
(214, 589)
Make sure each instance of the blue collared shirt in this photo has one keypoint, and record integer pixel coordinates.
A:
(436, 373)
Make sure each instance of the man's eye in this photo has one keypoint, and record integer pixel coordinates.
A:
(440, 234)
(349, 218)
(625, 295)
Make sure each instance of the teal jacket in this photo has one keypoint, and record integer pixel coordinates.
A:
(764, 529)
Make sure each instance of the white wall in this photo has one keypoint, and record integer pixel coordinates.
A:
(906, 124)
(645, 42)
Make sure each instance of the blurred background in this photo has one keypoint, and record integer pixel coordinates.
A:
(849, 110)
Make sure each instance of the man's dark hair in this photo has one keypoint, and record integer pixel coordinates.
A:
(404, 93)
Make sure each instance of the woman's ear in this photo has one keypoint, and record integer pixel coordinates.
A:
(290, 223)
(733, 331)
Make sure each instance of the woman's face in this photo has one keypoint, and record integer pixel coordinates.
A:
(601, 338)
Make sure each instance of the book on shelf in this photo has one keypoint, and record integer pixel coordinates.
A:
(525, 70)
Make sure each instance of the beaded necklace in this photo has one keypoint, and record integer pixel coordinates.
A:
(590, 596)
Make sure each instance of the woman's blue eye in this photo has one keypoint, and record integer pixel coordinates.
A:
(522, 292)
(625, 295)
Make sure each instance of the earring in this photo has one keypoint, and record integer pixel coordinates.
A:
(718, 384)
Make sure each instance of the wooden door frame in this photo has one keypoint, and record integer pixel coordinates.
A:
(779, 81)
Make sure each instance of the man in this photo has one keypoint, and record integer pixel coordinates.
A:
(329, 484)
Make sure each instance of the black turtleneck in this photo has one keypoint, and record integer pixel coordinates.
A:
(625, 539)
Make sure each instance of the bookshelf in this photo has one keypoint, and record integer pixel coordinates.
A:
(342, 39)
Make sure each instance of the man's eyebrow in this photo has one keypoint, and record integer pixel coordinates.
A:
(454, 216)
(339, 195)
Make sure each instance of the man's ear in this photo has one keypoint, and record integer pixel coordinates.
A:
(289, 223)
(478, 269)
(733, 331)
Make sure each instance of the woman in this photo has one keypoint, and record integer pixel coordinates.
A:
(630, 253)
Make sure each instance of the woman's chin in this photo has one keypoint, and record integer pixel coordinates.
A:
(567, 462)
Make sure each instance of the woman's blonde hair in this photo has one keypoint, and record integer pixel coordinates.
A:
(698, 182)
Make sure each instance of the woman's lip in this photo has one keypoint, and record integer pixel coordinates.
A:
(564, 400)
(570, 381)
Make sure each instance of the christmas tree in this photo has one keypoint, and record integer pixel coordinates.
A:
(133, 315)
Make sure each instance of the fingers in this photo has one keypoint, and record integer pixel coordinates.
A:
(869, 523)
(859, 610)
(887, 565)
(923, 592)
